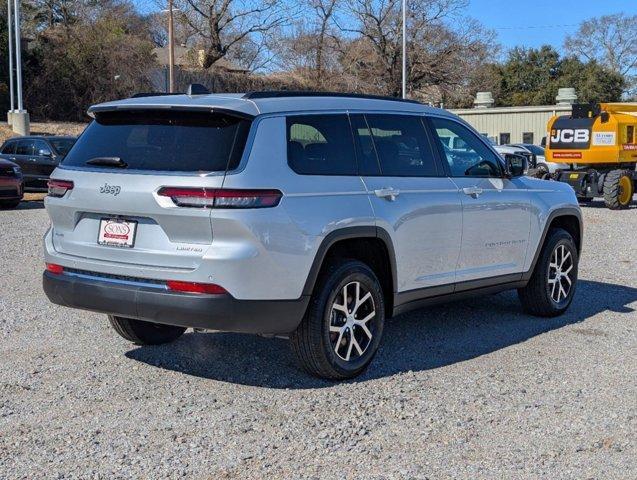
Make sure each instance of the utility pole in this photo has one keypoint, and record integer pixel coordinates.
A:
(404, 48)
(10, 38)
(20, 120)
(171, 48)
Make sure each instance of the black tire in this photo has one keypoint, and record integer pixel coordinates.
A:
(321, 352)
(9, 203)
(536, 296)
(615, 183)
(145, 333)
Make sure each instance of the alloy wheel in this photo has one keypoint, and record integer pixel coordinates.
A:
(351, 332)
(560, 268)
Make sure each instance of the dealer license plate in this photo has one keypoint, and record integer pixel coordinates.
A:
(115, 232)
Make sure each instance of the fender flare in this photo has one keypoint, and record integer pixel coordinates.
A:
(558, 212)
(349, 233)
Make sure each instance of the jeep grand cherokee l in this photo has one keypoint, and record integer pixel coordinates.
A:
(314, 216)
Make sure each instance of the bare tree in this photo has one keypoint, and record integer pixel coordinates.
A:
(438, 55)
(227, 25)
(611, 40)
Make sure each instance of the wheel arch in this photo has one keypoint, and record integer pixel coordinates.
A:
(567, 218)
(370, 244)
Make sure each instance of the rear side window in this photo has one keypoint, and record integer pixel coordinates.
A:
(164, 141)
(400, 144)
(25, 147)
(320, 145)
(9, 148)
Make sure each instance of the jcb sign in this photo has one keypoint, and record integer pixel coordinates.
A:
(569, 135)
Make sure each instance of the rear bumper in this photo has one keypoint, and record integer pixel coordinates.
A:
(150, 303)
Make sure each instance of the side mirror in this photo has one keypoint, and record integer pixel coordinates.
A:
(43, 152)
(516, 165)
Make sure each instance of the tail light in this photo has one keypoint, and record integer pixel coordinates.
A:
(54, 268)
(221, 198)
(192, 287)
(58, 188)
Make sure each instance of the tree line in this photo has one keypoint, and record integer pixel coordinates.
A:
(80, 52)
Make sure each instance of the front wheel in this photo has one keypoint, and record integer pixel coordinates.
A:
(341, 331)
(618, 189)
(551, 288)
(145, 333)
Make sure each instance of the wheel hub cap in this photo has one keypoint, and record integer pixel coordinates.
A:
(560, 271)
(351, 329)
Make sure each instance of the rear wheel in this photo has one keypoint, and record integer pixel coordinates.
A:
(618, 189)
(341, 331)
(551, 288)
(145, 333)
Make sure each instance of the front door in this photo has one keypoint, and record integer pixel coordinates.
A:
(496, 210)
(412, 199)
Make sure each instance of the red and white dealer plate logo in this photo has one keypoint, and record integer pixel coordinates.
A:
(116, 233)
(116, 230)
(629, 146)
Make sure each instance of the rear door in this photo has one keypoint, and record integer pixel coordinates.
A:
(496, 210)
(118, 168)
(412, 198)
(23, 155)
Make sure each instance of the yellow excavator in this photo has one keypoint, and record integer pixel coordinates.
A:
(599, 143)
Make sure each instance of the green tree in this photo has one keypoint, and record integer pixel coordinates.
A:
(533, 77)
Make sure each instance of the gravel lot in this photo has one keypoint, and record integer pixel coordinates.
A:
(469, 390)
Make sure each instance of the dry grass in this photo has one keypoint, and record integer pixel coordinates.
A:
(45, 128)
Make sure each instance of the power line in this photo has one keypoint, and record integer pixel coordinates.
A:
(517, 27)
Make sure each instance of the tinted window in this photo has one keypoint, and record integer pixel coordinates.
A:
(527, 137)
(25, 147)
(320, 145)
(42, 148)
(168, 141)
(466, 153)
(9, 148)
(365, 150)
(62, 145)
(401, 145)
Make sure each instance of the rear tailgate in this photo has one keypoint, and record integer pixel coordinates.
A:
(117, 168)
(165, 235)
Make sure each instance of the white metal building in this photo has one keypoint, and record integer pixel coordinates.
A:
(515, 124)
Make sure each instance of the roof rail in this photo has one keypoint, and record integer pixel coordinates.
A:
(152, 94)
(293, 93)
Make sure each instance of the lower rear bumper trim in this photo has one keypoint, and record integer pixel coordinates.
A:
(215, 312)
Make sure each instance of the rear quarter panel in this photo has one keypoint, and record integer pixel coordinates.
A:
(268, 253)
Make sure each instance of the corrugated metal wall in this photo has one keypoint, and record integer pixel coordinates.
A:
(512, 120)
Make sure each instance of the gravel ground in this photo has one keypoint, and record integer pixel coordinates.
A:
(470, 390)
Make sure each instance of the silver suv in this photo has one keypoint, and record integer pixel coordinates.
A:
(313, 216)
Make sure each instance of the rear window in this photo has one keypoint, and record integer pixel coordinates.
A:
(320, 145)
(164, 141)
(9, 148)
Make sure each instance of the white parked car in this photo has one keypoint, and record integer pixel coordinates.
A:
(540, 159)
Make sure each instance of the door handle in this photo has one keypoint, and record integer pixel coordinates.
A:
(387, 193)
(474, 192)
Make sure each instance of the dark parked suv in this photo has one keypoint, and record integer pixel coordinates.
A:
(37, 156)
(10, 184)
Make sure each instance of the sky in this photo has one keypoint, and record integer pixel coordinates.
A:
(529, 23)
(551, 20)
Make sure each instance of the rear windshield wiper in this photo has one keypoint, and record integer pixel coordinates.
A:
(108, 162)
